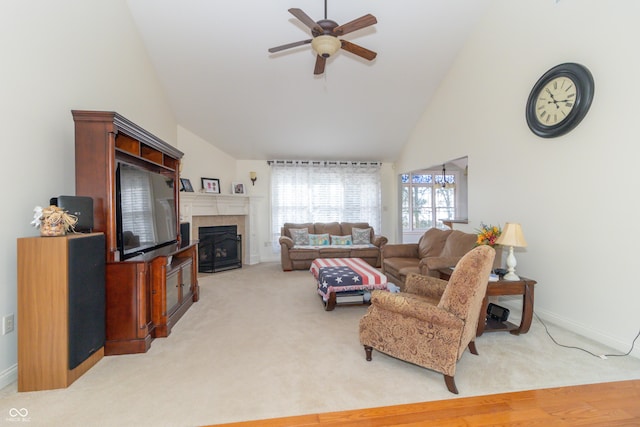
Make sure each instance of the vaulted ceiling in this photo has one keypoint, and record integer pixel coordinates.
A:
(223, 85)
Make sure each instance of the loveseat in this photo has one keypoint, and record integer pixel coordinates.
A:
(300, 244)
(436, 249)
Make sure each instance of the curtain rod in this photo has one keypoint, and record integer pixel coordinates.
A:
(322, 162)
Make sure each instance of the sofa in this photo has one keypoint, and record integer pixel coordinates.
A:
(436, 249)
(300, 244)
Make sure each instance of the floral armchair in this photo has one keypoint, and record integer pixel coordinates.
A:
(432, 321)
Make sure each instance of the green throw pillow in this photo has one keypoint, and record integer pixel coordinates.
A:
(341, 240)
(318, 240)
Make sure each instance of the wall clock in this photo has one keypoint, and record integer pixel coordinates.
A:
(559, 100)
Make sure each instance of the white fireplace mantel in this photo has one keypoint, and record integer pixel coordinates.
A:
(206, 204)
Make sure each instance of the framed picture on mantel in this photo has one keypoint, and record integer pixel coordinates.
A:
(237, 188)
(185, 185)
(211, 185)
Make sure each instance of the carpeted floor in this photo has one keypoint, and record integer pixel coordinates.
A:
(260, 345)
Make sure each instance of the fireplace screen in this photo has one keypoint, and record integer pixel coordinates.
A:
(219, 248)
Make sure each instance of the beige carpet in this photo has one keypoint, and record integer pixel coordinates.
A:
(260, 345)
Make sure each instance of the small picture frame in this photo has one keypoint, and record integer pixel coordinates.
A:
(237, 188)
(211, 185)
(185, 185)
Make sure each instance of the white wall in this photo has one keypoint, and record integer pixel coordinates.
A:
(260, 200)
(390, 213)
(58, 56)
(575, 195)
(203, 160)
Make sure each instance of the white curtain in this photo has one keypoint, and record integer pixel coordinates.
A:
(314, 191)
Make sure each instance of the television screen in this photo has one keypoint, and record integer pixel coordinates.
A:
(146, 210)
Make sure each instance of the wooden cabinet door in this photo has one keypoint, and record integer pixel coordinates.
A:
(186, 284)
(129, 305)
(172, 291)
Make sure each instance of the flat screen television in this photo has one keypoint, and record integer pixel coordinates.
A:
(145, 210)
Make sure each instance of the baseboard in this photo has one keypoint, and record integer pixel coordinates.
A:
(270, 258)
(8, 376)
(515, 306)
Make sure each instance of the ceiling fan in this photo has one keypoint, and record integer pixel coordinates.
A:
(325, 41)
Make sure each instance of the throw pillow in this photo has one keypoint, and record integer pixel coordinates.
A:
(341, 240)
(361, 236)
(318, 239)
(300, 236)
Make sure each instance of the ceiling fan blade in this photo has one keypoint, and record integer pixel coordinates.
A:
(289, 46)
(357, 24)
(320, 63)
(305, 19)
(358, 50)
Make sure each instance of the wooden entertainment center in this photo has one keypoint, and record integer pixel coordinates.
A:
(147, 294)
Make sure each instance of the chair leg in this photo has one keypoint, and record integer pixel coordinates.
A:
(367, 351)
(448, 380)
(472, 348)
(451, 384)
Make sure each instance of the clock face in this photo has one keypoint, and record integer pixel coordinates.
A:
(559, 100)
(555, 101)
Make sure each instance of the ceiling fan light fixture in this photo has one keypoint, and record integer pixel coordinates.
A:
(325, 45)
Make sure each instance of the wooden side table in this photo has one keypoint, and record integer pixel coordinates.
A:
(524, 287)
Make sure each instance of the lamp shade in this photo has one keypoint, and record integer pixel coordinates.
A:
(325, 45)
(512, 236)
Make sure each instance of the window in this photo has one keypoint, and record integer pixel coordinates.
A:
(310, 191)
(428, 197)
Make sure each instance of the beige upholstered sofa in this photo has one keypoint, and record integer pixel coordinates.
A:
(298, 254)
(435, 249)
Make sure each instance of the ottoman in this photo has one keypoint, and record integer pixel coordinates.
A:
(344, 275)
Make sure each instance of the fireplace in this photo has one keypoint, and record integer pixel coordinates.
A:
(219, 248)
(207, 210)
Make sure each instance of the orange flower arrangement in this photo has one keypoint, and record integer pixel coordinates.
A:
(488, 234)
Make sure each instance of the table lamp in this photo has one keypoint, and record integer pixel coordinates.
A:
(511, 236)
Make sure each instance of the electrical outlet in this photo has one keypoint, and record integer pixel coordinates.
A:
(7, 324)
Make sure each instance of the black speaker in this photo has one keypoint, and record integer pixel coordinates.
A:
(497, 312)
(87, 309)
(185, 234)
(79, 206)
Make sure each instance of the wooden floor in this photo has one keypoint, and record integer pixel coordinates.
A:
(606, 404)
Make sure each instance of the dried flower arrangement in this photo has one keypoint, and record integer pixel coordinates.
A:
(53, 221)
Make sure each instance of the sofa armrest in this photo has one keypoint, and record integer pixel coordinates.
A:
(406, 250)
(418, 309)
(434, 263)
(426, 286)
(379, 241)
(286, 241)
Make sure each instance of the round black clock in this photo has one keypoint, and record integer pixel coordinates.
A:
(559, 100)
